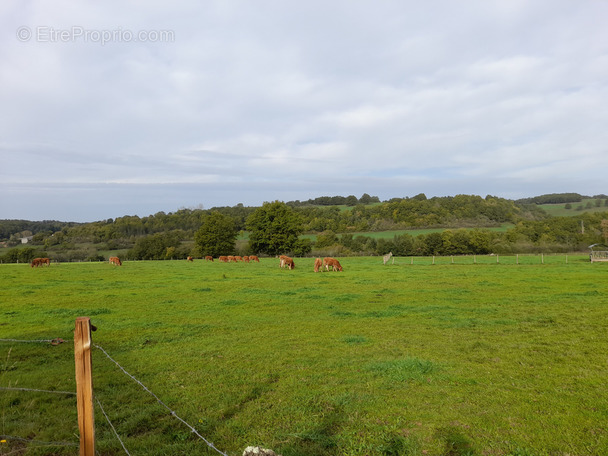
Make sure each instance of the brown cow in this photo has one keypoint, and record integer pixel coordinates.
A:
(238, 258)
(190, 258)
(223, 259)
(35, 262)
(318, 265)
(335, 264)
(254, 258)
(286, 262)
(115, 261)
(39, 262)
(246, 259)
(231, 258)
(209, 258)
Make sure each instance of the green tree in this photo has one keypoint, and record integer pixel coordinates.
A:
(154, 247)
(351, 200)
(434, 243)
(302, 247)
(217, 235)
(326, 239)
(274, 229)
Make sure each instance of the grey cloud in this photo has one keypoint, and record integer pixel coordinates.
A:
(395, 98)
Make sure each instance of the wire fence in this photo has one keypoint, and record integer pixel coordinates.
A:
(511, 259)
(34, 442)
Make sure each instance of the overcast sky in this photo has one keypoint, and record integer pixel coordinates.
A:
(132, 107)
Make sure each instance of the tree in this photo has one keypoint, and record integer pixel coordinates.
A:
(274, 229)
(326, 239)
(155, 246)
(216, 236)
(365, 199)
(604, 225)
(351, 200)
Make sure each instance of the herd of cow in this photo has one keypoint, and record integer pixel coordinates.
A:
(284, 261)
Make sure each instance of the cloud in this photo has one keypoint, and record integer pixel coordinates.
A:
(260, 101)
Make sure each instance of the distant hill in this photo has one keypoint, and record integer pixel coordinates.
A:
(553, 198)
(448, 225)
(586, 205)
(558, 198)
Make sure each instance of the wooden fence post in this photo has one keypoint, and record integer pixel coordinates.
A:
(84, 386)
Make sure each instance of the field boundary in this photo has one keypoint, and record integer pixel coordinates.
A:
(85, 394)
(516, 259)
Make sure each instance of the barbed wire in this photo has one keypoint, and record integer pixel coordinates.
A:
(55, 341)
(38, 442)
(192, 429)
(36, 390)
(112, 426)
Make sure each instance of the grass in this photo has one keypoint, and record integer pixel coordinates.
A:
(559, 210)
(446, 359)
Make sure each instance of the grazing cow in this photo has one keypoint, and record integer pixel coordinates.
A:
(387, 257)
(335, 264)
(246, 259)
(35, 262)
(223, 259)
(209, 258)
(254, 258)
(318, 265)
(115, 261)
(190, 258)
(231, 258)
(39, 262)
(286, 262)
(238, 258)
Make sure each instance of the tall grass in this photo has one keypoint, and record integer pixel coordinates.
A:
(444, 359)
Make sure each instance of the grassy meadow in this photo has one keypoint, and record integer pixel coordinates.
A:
(586, 205)
(492, 358)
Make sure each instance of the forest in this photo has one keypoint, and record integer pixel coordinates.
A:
(337, 226)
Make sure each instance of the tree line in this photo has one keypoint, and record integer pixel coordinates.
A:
(559, 198)
(299, 230)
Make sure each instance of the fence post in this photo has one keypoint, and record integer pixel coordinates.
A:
(84, 386)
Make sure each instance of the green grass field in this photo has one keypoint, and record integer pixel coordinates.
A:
(559, 210)
(446, 359)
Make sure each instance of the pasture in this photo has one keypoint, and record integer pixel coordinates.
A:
(582, 207)
(423, 359)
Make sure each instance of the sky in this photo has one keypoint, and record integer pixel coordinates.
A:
(134, 107)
